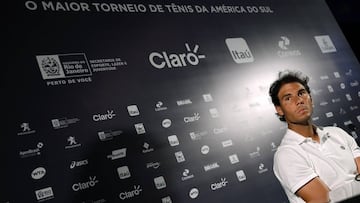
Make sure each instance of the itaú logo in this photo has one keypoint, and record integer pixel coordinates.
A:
(173, 60)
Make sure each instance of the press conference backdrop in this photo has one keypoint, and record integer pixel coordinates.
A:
(153, 101)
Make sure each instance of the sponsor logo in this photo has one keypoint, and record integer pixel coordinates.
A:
(234, 159)
(197, 135)
(354, 83)
(38, 173)
(133, 110)
(173, 140)
(205, 149)
(240, 174)
(103, 117)
(211, 166)
(336, 100)
(159, 106)
(207, 97)
(44, 194)
(273, 146)
(159, 182)
(74, 164)
(324, 103)
(284, 44)
(183, 102)
(166, 123)
(214, 112)
(239, 50)
(186, 175)
(117, 154)
(140, 128)
(337, 75)
(352, 108)
(325, 44)
(255, 153)
(179, 156)
(316, 91)
(147, 148)
(324, 77)
(25, 129)
(262, 168)
(193, 193)
(123, 172)
(108, 135)
(348, 97)
(153, 165)
(166, 199)
(342, 111)
(85, 185)
(218, 185)
(63, 122)
(347, 123)
(163, 59)
(219, 130)
(227, 143)
(330, 88)
(130, 194)
(72, 143)
(329, 114)
(94, 201)
(32, 152)
(191, 119)
(63, 66)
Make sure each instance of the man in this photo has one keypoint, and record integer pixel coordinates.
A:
(313, 164)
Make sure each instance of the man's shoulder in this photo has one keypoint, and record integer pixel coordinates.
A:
(333, 129)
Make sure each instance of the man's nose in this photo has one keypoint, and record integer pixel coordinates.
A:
(299, 100)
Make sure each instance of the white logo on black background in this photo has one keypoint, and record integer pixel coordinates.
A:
(85, 185)
(130, 194)
(38, 173)
(284, 44)
(193, 193)
(179, 156)
(163, 59)
(63, 66)
(44, 194)
(239, 50)
(133, 110)
(240, 174)
(218, 185)
(186, 175)
(166, 123)
(50, 67)
(123, 172)
(173, 140)
(140, 128)
(325, 44)
(160, 182)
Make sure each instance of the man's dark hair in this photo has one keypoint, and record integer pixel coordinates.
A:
(285, 77)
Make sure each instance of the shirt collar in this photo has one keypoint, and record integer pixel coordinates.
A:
(292, 137)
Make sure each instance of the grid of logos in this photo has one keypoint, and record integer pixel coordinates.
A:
(338, 91)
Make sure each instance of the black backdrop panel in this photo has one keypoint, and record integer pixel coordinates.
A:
(152, 101)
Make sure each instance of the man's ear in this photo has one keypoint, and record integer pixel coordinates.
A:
(279, 110)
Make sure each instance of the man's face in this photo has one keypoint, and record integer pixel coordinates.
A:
(295, 103)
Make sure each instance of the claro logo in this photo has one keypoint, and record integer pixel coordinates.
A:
(85, 185)
(130, 194)
(223, 182)
(176, 60)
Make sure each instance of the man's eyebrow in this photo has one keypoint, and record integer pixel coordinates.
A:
(286, 95)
